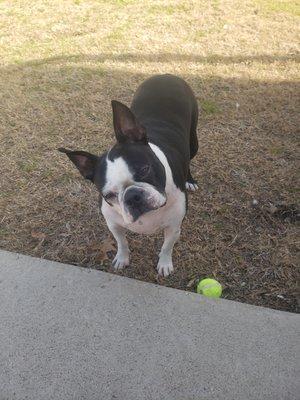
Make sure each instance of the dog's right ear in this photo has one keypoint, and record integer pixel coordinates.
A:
(84, 162)
(126, 126)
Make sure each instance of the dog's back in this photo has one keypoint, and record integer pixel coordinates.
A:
(166, 106)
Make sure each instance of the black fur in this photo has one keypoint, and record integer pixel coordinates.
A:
(164, 112)
(166, 106)
(85, 162)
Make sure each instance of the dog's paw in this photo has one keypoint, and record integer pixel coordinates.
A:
(191, 186)
(165, 267)
(120, 261)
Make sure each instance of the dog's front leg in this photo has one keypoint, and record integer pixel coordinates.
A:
(165, 264)
(121, 259)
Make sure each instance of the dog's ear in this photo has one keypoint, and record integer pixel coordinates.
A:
(126, 127)
(84, 162)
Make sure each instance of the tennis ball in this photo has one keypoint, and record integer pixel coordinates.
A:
(209, 288)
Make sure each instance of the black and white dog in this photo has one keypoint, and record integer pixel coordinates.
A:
(143, 178)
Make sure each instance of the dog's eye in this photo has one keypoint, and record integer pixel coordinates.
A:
(144, 171)
(109, 197)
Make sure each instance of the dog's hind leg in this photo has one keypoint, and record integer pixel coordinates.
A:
(191, 183)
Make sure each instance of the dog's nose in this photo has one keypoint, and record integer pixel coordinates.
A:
(133, 197)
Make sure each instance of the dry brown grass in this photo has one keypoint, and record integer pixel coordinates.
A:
(61, 64)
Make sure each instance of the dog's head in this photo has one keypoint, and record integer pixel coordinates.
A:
(129, 176)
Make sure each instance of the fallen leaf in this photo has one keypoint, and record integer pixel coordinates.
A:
(191, 283)
(38, 235)
(103, 249)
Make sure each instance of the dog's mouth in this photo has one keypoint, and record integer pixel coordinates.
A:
(137, 202)
(139, 212)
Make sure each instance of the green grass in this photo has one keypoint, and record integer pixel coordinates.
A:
(168, 9)
(199, 34)
(284, 6)
(28, 166)
(118, 35)
(276, 150)
(215, 4)
(294, 190)
(209, 107)
(3, 231)
(123, 2)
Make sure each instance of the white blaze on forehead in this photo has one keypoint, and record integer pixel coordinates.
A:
(117, 175)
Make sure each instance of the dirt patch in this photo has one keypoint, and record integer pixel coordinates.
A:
(69, 59)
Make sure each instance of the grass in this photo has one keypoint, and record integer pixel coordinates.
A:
(276, 151)
(61, 63)
(280, 6)
(209, 107)
(27, 167)
(161, 9)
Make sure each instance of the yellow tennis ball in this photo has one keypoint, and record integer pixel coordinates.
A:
(209, 288)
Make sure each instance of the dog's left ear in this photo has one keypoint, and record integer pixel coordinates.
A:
(84, 162)
(126, 126)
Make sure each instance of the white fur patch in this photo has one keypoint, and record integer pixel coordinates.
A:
(165, 265)
(121, 260)
(117, 175)
(191, 186)
(170, 185)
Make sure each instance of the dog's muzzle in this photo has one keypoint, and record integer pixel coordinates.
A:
(138, 201)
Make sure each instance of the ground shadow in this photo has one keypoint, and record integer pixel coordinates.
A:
(247, 135)
(168, 57)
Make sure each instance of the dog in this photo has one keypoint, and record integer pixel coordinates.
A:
(143, 178)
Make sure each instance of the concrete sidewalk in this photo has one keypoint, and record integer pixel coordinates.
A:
(73, 333)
